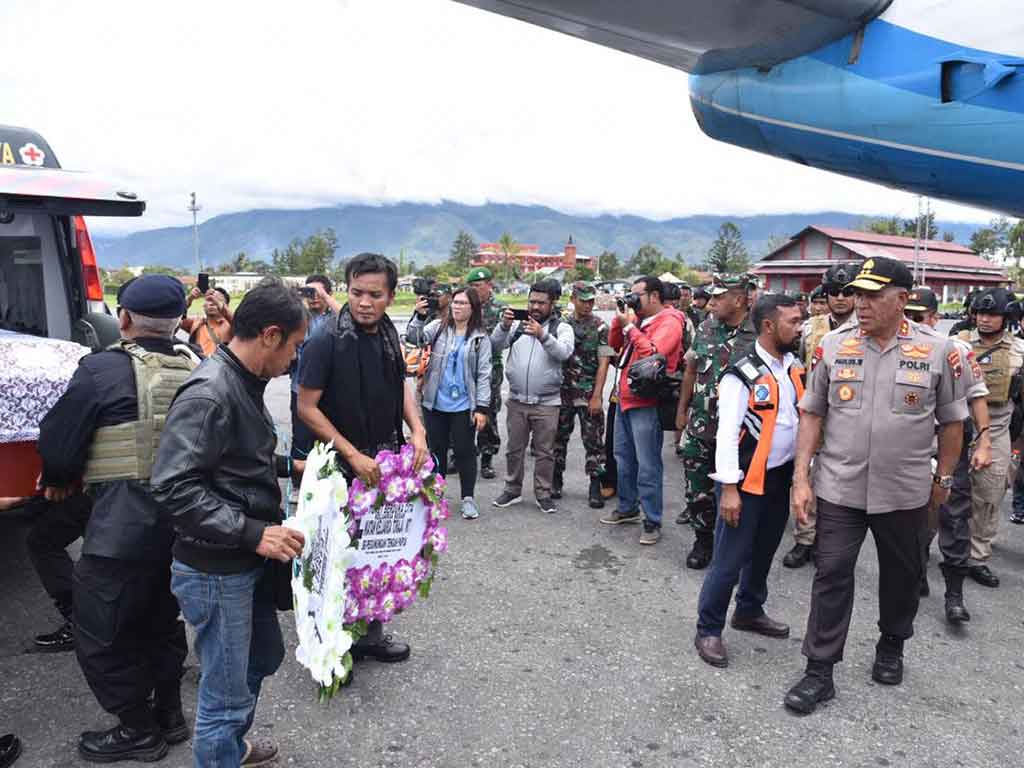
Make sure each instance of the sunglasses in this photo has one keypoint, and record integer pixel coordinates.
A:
(846, 292)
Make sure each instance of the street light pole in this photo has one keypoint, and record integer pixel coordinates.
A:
(195, 208)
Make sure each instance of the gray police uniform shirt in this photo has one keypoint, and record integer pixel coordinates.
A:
(879, 408)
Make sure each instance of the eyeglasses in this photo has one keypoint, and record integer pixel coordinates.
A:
(847, 292)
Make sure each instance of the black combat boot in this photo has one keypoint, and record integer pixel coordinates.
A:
(122, 743)
(556, 485)
(596, 500)
(956, 611)
(486, 470)
(798, 556)
(700, 556)
(814, 687)
(888, 666)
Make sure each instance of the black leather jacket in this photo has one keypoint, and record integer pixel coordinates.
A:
(216, 471)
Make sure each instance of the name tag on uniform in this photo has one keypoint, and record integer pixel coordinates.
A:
(748, 370)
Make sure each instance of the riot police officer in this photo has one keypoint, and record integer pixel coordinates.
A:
(1000, 355)
(102, 434)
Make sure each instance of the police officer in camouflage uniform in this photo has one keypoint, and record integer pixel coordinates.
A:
(727, 329)
(583, 378)
(489, 441)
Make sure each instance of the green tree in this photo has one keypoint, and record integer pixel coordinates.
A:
(1015, 242)
(312, 256)
(891, 225)
(608, 265)
(928, 229)
(509, 249)
(948, 237)
(462, 252)
(645, 261)
(160, 269)
(120, 277)
(728, 253)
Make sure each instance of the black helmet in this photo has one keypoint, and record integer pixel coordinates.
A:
(701, 292)
(840, 275)
(670, 292)
(994, 301)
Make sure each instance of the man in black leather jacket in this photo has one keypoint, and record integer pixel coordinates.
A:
(216, 476)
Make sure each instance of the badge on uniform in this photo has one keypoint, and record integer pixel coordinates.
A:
(762, 394)
(912, 399)
(846, 374)
(747, 369)
(915, 378)
(986, 360)
(819, 353)
(975, 368)
(851, 348)
(916, 351)
(953, 358)
(846, 393)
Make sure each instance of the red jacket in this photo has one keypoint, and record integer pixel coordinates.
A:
(662, 334)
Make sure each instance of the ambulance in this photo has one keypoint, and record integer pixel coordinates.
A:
(50, 287)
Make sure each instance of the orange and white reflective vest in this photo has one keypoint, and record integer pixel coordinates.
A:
(759, 420)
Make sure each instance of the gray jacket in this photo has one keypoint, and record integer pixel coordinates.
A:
(477, 361)
(534, 367)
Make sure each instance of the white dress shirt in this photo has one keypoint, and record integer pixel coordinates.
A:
(733, 397)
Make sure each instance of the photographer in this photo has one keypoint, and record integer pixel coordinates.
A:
(432, 300)
(538, 346)
(323, 308)
(215, 326)
(642, 327)
(216, 476)
(456, 387)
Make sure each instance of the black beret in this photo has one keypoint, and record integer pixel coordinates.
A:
(154, 296)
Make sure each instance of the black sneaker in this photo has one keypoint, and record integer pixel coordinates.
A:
(61, 639)
(507, 499)
(888, 666)
(121, 743)
(813, 689)
(700, 555)
(547, 504)
(1017, 517)
(798, 556)
(385, 650)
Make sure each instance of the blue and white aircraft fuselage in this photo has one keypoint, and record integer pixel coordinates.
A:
(928, 97)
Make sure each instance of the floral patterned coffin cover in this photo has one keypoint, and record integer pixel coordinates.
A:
(34, 372)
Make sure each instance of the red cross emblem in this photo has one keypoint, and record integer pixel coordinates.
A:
(31, 154)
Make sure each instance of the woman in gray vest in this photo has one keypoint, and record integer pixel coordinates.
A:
(456, 386)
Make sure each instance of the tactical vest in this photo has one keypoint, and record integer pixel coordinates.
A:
(997, 363)
(819, 325)
(759, 420)
(126, 451)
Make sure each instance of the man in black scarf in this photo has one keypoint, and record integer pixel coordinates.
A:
(352, 391)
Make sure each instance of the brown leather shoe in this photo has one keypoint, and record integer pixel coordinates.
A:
(762, 625)
(712, 650)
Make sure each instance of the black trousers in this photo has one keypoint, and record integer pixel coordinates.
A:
(455, 430)
(128, 638)
(955, 517)
(54, 528)
(841, 531)
(302, 436)
(611, 467)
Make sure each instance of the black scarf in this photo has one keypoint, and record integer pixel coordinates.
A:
(348, 401)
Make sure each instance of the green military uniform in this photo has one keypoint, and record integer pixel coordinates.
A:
(578, 378)
(713, 346)
(488, 440)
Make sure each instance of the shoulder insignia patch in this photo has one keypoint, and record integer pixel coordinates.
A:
(973, 362)
(953, 358)
(916, 351)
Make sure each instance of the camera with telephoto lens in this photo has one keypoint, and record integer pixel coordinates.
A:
(631, 300)
(425, 286)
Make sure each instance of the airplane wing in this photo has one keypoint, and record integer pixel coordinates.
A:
(698, 36)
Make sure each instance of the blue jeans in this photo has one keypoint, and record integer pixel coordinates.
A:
(744, 554)
(239, 643)
(638, 441)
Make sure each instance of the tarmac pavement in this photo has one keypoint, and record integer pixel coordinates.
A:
(552, 640)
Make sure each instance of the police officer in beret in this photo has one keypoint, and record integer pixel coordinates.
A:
(871, 404)
(100, 438)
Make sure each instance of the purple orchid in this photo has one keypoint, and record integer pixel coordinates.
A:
(439, 540)
(403, 576)
(404, 598)
(385, 608)
(352, 611)
(368, 607)
(361, 581)
(394, 489)
(421, 568)
(381, 579)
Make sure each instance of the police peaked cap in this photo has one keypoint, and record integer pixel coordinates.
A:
(154, 296)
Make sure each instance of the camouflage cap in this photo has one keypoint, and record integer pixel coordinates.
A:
(722, 283)
(583, 291)
(479, 273)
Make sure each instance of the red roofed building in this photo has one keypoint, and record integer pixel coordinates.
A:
(530, 259)
(951, 270)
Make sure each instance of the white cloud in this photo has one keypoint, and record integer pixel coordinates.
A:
(260, 104)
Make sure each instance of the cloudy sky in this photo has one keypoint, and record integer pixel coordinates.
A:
(316, 102)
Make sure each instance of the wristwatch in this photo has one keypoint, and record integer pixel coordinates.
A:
(943, 481)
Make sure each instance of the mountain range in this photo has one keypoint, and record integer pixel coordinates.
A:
(423, 233)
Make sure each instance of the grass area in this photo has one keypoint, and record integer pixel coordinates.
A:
(404, 302)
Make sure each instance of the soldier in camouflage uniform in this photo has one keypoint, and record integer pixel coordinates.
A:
(583, 378)
(488, 441)
(725, 330)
